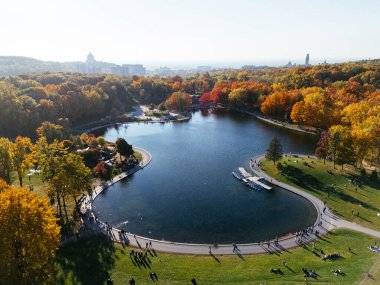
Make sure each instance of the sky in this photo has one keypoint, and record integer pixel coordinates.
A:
(196, 32)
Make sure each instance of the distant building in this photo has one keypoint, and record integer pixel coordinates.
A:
(307, 60)
(163, 71)
(290, 64)
(93, 66)
(134, 69)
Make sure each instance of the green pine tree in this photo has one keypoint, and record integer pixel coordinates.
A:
(274, 152)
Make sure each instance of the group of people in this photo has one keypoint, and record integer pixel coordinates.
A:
(309, 273)
(302, 234)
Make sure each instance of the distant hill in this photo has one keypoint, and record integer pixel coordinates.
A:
(16, 65)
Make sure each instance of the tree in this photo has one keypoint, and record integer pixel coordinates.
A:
(179, 101)
(101, 140)
(10, 109)
(47, 157)
(280, 103)
(102, 171)
(274, 151)
(123, 147)
(162, 107)
(5, 160)
(51, 132)
(29, 237)
(238, 97)
(341, 145)
(334, 142)
(322, 150)
(205, 98)
(22, 156)
(3, 185)
(70, 179)
(316, 109)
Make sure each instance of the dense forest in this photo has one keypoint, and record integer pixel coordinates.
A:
(323, 96)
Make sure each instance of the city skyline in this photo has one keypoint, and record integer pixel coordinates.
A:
(156, 33)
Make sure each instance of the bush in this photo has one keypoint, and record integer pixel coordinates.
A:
(362, 172)
(279, 166)
(162, 107)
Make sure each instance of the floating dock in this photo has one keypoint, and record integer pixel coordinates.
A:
(241, 173)
(256, 181)
(252, 181)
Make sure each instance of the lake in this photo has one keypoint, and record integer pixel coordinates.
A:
(187, 192)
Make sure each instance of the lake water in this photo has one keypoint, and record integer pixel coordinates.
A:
(187, 192)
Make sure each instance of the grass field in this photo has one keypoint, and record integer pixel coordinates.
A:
(92, 260)
(333, 186)
(36, 180)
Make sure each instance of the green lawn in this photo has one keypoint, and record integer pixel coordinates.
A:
(35, 180)
(138, 155)
(316, 178)
(91, 260)
(40, 188)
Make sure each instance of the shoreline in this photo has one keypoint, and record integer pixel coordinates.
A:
(283, 243)
(185, 119)
(272, 122)
(89, 130)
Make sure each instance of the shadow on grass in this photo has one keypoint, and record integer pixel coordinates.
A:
(311, 183)
(298, 177)
(86, 261)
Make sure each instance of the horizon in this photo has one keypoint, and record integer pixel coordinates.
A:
(197, 32)
(177, 65)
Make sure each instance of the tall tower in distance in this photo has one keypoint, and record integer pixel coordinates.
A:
(307, 63)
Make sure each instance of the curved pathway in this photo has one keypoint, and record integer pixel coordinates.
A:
(329, 222)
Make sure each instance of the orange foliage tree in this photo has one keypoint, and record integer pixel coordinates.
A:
(280, 103)
(179, 101)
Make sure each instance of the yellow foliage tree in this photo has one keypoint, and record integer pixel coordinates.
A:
(29, 236)
(22, 156)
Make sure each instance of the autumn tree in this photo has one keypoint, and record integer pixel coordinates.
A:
(5, 160)
(47, 156)
(238, 97)
(322, 150)
(219, 94)
(205, 98)
(274, 151)
(71, 178)
(10, 109)
(51, 132)
(316, 109)
(341, 145)
(3, 185)
(22, 156)
(179, 101)
(280, 103)
(102, 171)
(29, 237)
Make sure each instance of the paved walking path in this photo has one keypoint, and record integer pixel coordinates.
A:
(333, 221)
(328, 219)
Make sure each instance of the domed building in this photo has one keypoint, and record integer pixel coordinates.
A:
(91, 64)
